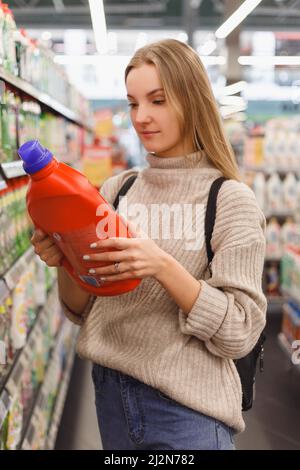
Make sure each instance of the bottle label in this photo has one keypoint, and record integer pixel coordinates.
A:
(75, 244)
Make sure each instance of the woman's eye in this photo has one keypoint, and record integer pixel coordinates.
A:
(132, 105)
(158, 101)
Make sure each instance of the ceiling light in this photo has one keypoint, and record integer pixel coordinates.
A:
(112, 42)
(99, 25)
(207, 48)
(229, 110)
(269, 60)
(213, 60)
(232, 101)
(234, 88)
(236, 18)
(95, 60)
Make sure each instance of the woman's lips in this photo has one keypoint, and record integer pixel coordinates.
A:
(149, 133)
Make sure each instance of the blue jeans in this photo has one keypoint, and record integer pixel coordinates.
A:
(135, 416)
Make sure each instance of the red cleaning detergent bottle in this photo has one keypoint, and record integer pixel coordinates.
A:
(62, 203)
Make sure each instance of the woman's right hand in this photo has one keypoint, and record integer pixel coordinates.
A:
(46, 249)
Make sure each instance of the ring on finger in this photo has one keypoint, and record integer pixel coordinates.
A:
(117, 267)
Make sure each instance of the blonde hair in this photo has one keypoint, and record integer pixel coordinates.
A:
(187, 87)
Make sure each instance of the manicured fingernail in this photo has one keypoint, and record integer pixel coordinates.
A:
(92, 271)
(86, 257)
(93, 245)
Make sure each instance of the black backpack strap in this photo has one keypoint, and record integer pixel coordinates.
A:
(123, 190)
(210, 215)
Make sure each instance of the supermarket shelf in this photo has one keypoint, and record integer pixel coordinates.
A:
(14, 366)
(3, 291)
(279, 214)
(293, 293)
(3, 184)
(276, 301)
(274, 259)
(269, 170)
(39, 389)
(12, 170)
(12, 276)
(287, 349)
(58, 407)
(60, 400)
(43, 98)
(4, 406)
(16, 361)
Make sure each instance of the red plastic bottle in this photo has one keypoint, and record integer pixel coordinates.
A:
(62, 203)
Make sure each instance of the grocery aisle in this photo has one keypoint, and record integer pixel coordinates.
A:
(273, 423)
(79, 429)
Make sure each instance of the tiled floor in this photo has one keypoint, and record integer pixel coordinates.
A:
(273, 423)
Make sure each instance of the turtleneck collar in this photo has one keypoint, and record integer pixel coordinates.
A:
(192, 160)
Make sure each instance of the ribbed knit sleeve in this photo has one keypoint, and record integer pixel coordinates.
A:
(230, 311)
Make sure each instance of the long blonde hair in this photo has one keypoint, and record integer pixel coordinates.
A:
(187, 87)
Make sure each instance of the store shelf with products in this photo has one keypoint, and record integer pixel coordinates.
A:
(271, 168)
(29, 373)
(44, 99)
(12, 276)
(23, 119)
(289, 338)
(43, 427)
(29, 66)
(288, 350)
(37, 101)
(21, 305)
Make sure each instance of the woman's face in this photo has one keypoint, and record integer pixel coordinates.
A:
(153, 118)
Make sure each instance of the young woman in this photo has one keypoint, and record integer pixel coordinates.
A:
(163, 353)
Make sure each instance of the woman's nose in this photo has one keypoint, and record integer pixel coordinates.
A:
(142, 115)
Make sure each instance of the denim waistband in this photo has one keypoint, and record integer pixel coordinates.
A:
(115, 374)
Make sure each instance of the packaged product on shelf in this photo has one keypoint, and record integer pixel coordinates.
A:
(6, 351)
(18, 322)
(290, 272)
(259, 188)
(1, 36)
(272, 280)
(69, 214)
(4, 335)
(15, 422)
(29, 115)
(290, 190)
(24, 53)
(273, 239)
(274, 193)
(288, 233)
(4, 409)
(269, 160)
(24, 307)
(281, 149)
(292, 143)
(8, 123)
(8, 34)
(291, 321)
(3, 234)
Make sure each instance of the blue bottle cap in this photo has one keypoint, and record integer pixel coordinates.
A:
(34, 156)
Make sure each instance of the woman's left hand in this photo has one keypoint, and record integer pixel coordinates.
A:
(137, 257)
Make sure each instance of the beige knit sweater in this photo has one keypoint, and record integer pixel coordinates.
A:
(144, 333)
